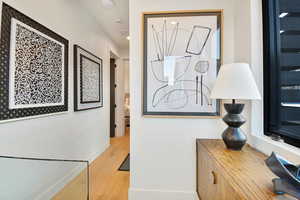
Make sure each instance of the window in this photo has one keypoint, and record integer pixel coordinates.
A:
(282, 69)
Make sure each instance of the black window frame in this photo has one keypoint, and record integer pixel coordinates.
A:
(271, 70)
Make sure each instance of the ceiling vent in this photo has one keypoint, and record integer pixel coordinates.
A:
(108, 3)
(124, 32)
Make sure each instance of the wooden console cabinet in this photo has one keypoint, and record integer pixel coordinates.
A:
(233, 175)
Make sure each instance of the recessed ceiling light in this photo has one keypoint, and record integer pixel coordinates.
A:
(128, 37)
(282, 15)
(108, 3)
(174, 23)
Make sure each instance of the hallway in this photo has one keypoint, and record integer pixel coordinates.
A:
(106, 182)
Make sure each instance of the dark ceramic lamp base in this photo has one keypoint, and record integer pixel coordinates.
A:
(233, 136)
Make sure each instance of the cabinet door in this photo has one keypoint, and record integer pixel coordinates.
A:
(205, 179)
(211, 184)
(223, 189)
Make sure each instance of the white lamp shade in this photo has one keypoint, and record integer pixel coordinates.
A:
(235, 81)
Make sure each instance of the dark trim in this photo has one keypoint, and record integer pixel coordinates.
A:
(75, 77)
(92, 54)
(81, 77)
(271, 62)
(267, 42)
(273, 111)
(112, 89)
(5, 112)
(76, 65)
(145, 61)
(43, 159)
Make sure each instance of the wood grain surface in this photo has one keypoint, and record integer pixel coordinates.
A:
(238, 174)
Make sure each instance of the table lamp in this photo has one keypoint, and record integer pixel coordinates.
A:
(235, 81)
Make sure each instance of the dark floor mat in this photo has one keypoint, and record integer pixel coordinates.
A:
(125, 166)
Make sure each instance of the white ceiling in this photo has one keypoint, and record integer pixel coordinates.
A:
(114, 20)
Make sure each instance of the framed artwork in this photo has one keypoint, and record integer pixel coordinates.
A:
(33, 68)
(88, 80)
(182, 55)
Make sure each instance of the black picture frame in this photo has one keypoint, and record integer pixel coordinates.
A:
(79, 103)
(146, 16)
(8, 14)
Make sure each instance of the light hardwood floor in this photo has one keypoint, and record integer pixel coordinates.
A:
(106, 182)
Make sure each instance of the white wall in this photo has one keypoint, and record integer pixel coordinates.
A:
(124, 52)
(82, 135)
(126, 76)
(163, 150)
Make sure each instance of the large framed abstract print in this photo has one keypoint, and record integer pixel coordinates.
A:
(88, 80)
(182, 54)
(33, 68)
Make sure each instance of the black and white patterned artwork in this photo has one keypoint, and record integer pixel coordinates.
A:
(90, 83)
(182, 56)
(33, 68)
(36, 68)
(87, 80)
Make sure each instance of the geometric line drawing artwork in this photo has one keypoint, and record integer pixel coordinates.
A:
(182, 56)
(202, 68)
(88, 80)
(33, 68)
(194, 47)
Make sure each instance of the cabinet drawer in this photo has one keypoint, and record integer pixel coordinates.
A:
(211, 185)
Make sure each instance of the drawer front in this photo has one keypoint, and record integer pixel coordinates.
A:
(211, 185)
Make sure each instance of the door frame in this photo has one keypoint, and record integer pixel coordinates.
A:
(113, 104)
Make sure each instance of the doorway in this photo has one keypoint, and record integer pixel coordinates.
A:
(126, 94)
(112, 97)
(119, 96)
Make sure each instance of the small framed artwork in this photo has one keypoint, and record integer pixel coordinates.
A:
(33, 68)
(88, 80)
(182, 54)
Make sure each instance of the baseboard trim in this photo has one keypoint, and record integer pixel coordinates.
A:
(138, 194)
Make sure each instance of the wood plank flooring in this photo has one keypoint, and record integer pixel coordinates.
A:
(106, 182)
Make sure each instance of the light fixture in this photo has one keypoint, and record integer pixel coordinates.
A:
(128, 37)
(281, 31)
(282, 15)
(174, 23)
(108, 3)
(235, 81)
